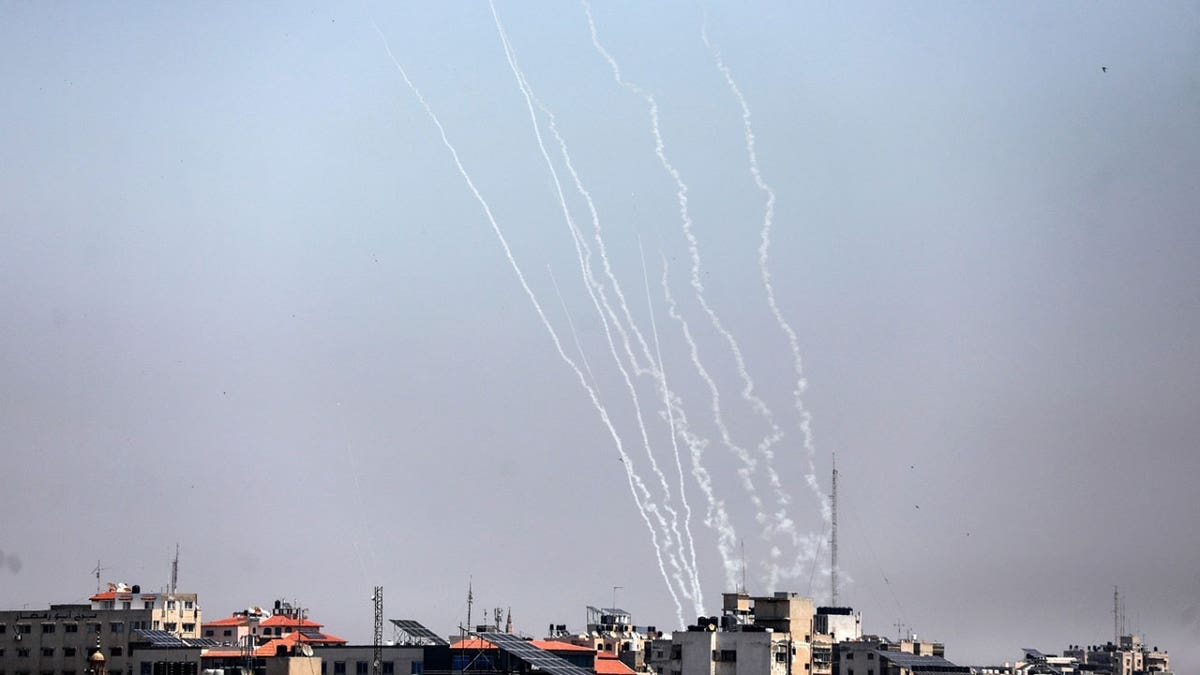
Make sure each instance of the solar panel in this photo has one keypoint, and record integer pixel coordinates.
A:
(201, 642)
(161, 638)
(313, 634)
(415, 633)
(539, 659)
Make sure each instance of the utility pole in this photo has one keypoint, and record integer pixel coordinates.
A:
(833, 544)
(377, 662)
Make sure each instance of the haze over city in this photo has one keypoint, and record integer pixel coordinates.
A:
(291, 286)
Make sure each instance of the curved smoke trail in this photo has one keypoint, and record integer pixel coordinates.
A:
(635, 483)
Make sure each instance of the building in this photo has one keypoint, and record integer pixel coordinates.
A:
(60, 639)
(611, 632)
(255, 626)
(874, 655)
(766, 635)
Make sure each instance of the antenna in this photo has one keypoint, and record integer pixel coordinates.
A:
(377, 663)
(833, 546)
(470, 600)
(1116, 616)
(97, 572)
(174, 571)
(615, 589)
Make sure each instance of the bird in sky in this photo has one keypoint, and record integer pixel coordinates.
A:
(1104, 69)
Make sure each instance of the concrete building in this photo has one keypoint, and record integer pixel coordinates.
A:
(767, 635)
(874, 655)
(839, 623)
(59, 640)
(611, 631)
(255, 626)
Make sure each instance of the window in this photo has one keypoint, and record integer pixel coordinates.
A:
(188, 604)
(169, 626)
(115, 651)
(339, 668)
(68, 651)
(23, 652)
(208, 633)
(48, 628)
(850, 656)
(94, 627)
(126, 604)
(781, 657)
(870, 656)
(189, 627)
(322, 666)
(24, 628)
(117, 627)
(3, 628)
(389, 668)
(361, 668)
(70, 628)
(228, 632)
(676, 652)
(47, 651)
(418, 668)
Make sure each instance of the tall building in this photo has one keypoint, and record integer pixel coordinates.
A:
(765, 635)
(59, 640)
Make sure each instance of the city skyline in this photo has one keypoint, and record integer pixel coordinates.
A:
(255, 309)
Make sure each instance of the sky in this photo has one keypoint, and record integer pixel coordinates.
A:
(253, 307)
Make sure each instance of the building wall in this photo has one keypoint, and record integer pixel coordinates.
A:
(398, 659)
(59, 640)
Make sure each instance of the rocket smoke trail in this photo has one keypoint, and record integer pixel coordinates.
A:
(764, 271)
(775, 434)
(680, 426)
(633, 480)
(717, 518)
(510, 55)
(571, 325)
(666, 392)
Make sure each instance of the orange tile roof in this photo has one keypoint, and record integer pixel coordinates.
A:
(556, 646)
(473, 643)
(228, 621)
(325, 639)
(221, 654)
(106, 595)
(287, 621)
(609, 664)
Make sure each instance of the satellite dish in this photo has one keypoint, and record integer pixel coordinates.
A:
(306, 649)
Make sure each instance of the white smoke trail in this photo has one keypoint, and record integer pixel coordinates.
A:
(634, 481)
(775, 434)
(526, 90)
(681, 426)
(571, 324)
(717, 517)
(666, 393)
(765, 273)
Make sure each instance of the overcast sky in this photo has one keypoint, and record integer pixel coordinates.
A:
(250, 305)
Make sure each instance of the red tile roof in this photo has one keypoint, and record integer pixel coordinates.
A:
(325, 639)
(556, 646)
(288, 622)
(229, 621)
(107, 595)
(609, 664)
(472, 643)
